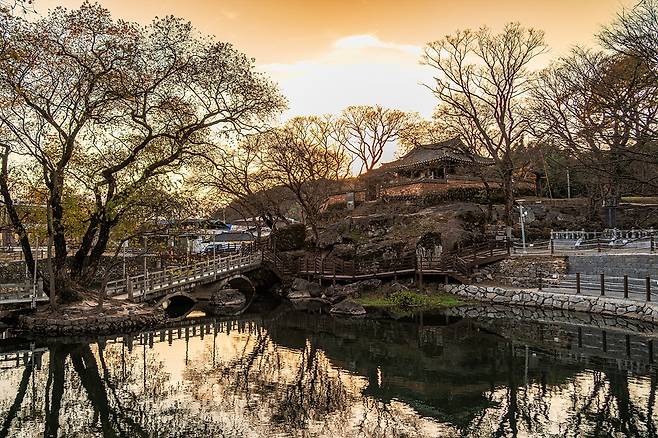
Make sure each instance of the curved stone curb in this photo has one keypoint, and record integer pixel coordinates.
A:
(642, 311)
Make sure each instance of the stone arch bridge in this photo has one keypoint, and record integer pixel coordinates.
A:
(192, 283)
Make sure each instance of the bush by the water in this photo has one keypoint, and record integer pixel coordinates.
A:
(407, 298)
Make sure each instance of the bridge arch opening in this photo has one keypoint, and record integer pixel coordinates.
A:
(233, 295)
(178, 305)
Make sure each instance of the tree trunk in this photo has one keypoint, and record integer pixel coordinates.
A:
(508, 191)
(15, 219)
(52, 288)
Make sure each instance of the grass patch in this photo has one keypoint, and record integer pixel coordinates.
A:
(409, 299)
(640, 199)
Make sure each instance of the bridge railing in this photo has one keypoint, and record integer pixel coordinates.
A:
(145, 284)
(458, 261)
(22, 292)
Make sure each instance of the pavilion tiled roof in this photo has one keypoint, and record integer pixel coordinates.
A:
(452, 150)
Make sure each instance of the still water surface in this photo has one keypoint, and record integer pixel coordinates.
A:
(285, 373)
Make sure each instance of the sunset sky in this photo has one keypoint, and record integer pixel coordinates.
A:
(328, 54)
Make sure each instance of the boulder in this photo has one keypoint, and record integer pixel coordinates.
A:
(348, 308)
(228, 298)
(337, 293)
(396, 287)
(304, 289)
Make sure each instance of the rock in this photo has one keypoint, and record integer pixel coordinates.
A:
(368, 285)
(348, 308)
(397, 287)
(298, 295)
(228, 298)
(305, 287)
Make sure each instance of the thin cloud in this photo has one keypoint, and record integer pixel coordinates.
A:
(368, 41)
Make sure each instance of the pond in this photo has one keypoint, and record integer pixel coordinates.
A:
(284, 372)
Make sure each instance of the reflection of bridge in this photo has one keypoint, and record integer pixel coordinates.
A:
(22, 357)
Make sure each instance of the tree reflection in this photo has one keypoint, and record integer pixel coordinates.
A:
(332, 379)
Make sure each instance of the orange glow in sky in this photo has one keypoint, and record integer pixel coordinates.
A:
(329, 54)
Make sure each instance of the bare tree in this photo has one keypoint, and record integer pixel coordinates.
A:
(635, 33)
(365, 131)
(602, 109)
(237, 176)
(483, 78)
(304, 157)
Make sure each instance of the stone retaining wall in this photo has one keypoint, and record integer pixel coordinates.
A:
(92, 324)
(633, 265)
(522, 271)
(642, 311)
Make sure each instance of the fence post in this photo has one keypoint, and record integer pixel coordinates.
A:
(129, 288)
(648, 288)
(625, 286)
(552, 247)
(598, 246)
(578, 282)
(602, 284)
(653, 243)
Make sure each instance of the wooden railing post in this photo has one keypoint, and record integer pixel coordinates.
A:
(602, 284)
(578, 283)
(653, 243)
(129, 288)
(625, 286)
(648, 286)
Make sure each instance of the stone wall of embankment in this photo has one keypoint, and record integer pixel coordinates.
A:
(618, 265)
(643, 311)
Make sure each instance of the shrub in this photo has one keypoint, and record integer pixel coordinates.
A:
(407, 298)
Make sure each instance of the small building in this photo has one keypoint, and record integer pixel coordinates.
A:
(431, 168)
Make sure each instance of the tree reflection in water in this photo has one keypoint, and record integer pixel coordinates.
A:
(311, 375)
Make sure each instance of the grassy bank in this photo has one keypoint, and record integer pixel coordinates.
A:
(409, 299)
